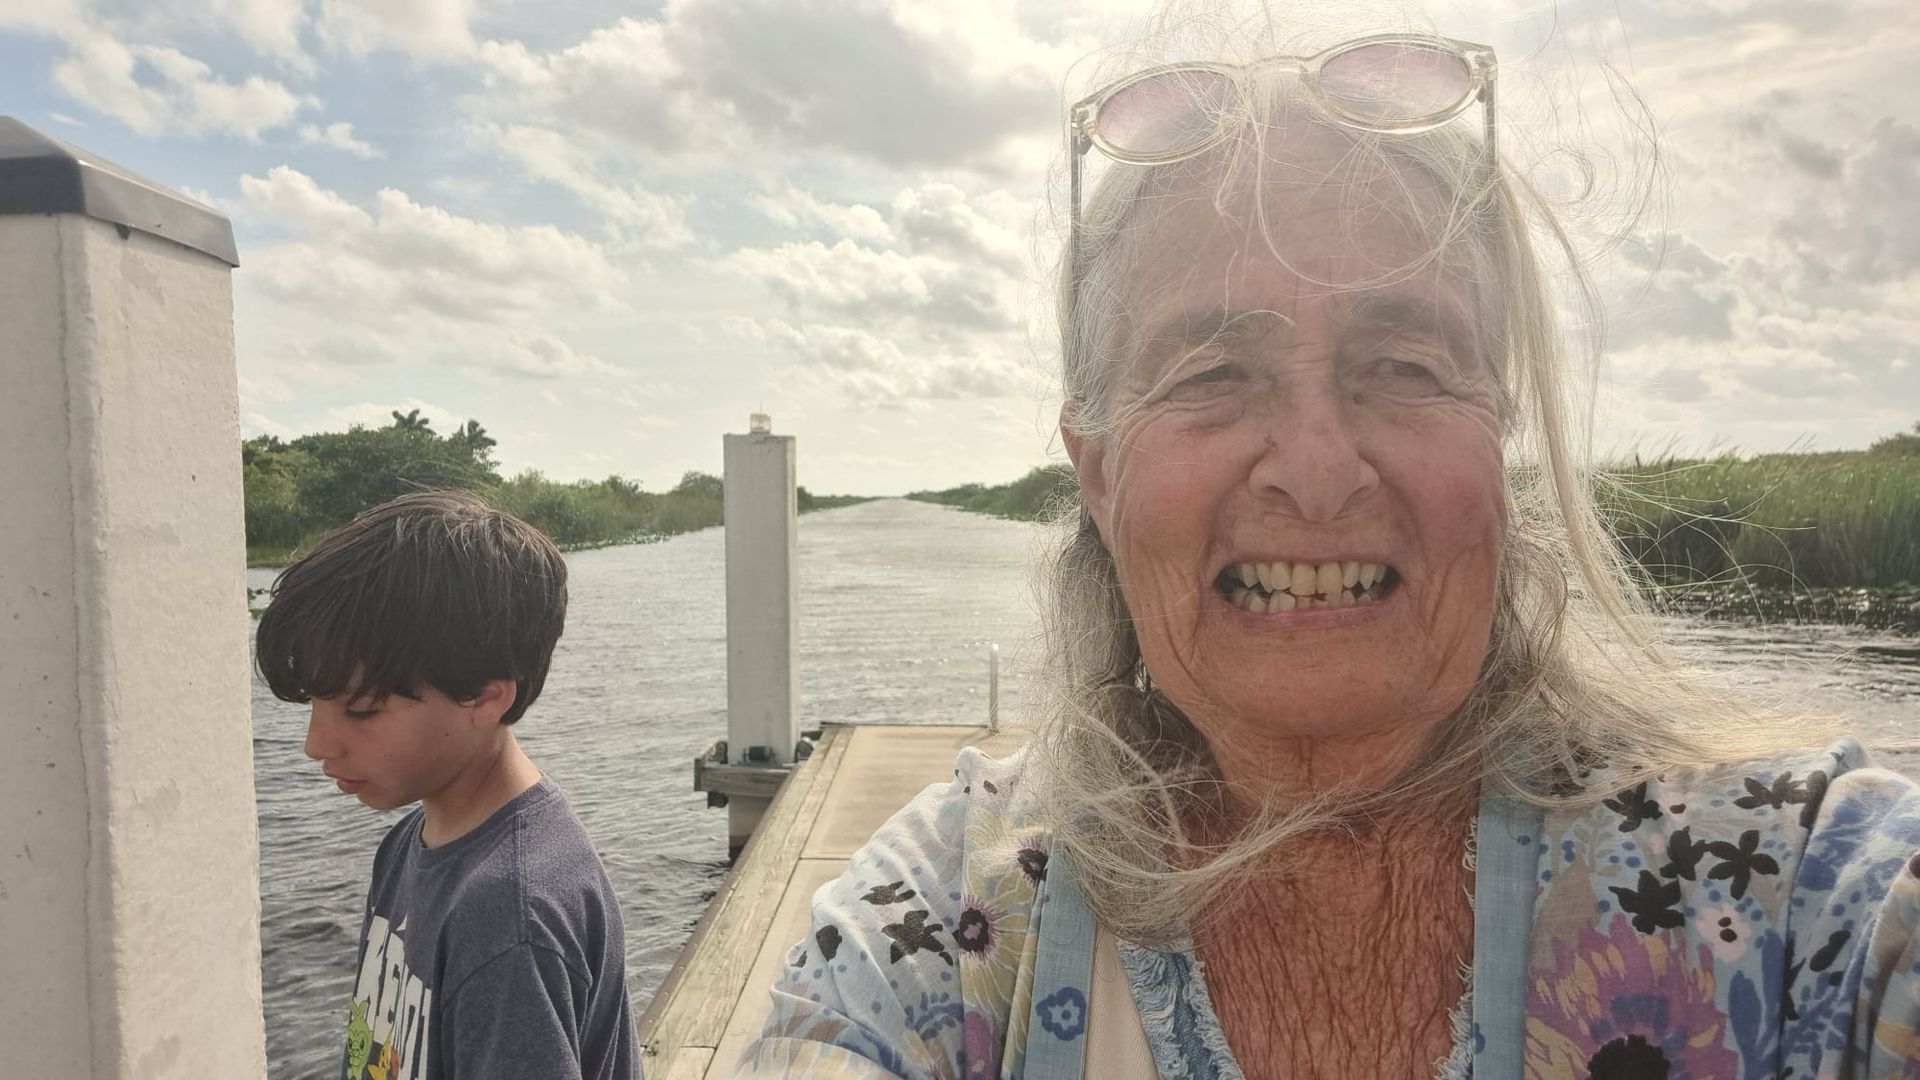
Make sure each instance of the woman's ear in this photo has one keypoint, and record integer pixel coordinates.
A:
(1089, 456)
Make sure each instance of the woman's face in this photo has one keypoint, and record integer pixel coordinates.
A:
(1307, 422)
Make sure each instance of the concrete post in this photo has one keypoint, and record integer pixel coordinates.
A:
(129, 856)
(763, 589)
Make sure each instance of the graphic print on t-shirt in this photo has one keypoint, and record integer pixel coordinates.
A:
(387, 1020)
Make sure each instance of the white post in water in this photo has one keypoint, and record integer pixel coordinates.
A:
(129, 857)
(993, 688)
(763, 611)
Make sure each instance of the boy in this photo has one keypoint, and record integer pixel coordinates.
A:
(492, 945)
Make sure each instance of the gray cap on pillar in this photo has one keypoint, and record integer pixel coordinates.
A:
(40, 174)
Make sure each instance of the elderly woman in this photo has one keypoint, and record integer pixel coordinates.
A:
(1360, 761)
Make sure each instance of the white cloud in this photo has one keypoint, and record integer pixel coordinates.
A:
(378, 415)
(339, 136)
(869, 367)
(438, 29)
(1863, 228)
(42, 16)
(645, 217)
(406, 282)
(254, 424)
(1672, 289)
(905, 83)
(794, 208)
(155, 89)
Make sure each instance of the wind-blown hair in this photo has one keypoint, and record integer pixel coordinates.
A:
(1577, 697)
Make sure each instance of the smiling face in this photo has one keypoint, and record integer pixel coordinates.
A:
(1301, 484)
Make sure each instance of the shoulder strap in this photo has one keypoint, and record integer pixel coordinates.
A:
(1063, 972)
(1506, 861)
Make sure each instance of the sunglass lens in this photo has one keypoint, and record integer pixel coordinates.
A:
(1165, 113)
(1396, 82)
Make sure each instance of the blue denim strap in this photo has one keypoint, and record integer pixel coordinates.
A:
(1506, 862)
(1063, 970)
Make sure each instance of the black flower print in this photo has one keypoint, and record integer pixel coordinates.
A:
(1816, 791)
(1828, 953)
(1652, 903)
(1683, 855)
(912, 934)
(974, 932)
(881, 895)
(1787, 1008)
(1629, 1058)
(1739, 864)
(1633, 807)
(828, 939)
(1033, 862)
(1784, 789)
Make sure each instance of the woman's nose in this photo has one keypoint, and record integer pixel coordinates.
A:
(1311, 462)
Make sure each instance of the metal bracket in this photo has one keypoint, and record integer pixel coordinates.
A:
(758, 777)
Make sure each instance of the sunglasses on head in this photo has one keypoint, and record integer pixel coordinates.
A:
(1388, 83)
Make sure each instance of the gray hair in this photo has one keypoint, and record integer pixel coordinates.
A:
(1577, 697)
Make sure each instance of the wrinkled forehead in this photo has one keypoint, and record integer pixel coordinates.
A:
(1303, 215)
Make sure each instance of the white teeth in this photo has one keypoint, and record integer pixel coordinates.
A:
(1302, 580)
(1343, 598)
(1281, 601)
(1327, 579)
(1368, 598)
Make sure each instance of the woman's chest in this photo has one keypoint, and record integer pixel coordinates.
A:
(1299, 1001)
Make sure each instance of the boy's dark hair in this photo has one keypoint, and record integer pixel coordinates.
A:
(434, 588)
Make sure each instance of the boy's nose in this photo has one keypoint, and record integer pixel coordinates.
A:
(317, 746)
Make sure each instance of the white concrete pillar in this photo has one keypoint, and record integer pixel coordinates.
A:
(763, 613)
(129, 856)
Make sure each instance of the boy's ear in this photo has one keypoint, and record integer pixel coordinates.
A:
(1089, 456)
(496, 696)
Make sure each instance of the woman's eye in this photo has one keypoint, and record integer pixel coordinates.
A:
(362, 714)
(1216, 375)
(1408, 373)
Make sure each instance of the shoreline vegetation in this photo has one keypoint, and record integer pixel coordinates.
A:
(296, 490)
(1789, 537)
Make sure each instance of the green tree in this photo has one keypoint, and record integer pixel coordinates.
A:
(413, 421)
(363, 467)
(700, 485)
(1901, 443)
(475, 439)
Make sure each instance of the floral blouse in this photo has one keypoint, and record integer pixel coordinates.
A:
(1758, 925)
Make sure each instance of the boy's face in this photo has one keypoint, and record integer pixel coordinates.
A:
(397, 751)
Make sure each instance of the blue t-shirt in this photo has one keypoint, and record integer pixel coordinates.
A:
(498, 954)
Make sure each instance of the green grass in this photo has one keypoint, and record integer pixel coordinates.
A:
(590, 514)
(1030, 498)
(1846, 519)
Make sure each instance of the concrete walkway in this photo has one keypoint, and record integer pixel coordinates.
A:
(715, 996)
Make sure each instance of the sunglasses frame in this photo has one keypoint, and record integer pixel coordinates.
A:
(1083, 127)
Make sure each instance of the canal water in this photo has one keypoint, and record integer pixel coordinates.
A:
(899, 602)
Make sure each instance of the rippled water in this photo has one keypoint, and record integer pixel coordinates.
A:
(898, 603)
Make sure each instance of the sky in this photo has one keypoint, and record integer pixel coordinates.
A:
(610, 231)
